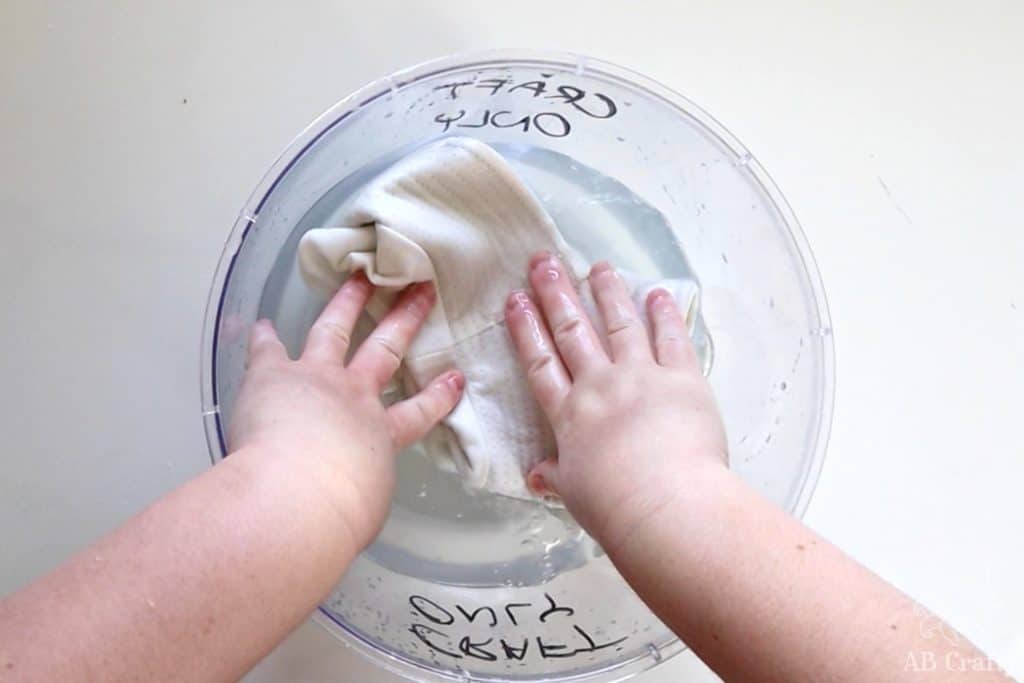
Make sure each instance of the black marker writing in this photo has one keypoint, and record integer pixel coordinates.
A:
(556, 125)
(493, 84)
(554, 609)
(453, 88)
(431, 610)
(442, 636)
(592, 646)
(523, 121)
(553, 650)
(449, 119)
(485, 118)
(471, 649)
(508, 610)
(549, 123)
(553, 124)
(536, 87)
(515, 653)
(422, 631)
(471, 616)
(572, 95)
(560, 650)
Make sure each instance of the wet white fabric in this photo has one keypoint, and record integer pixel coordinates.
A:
(456, 213)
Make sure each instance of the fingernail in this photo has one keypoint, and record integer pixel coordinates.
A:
(359, 280)
(601, 268)
(538, 258)
(423, 295)
(658, 296)
(538, 485)
(427, 290)
(518, 301)
(456, 380)
(547, 268)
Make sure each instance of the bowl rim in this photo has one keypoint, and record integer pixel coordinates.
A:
(581, 64)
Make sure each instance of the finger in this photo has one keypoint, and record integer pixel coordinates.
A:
(627, 338)
(549, 381)
(543, 478)
(264, 346)
(574, 336)
(412, 418)
(331, 334)
(672, 345)
(382, 352)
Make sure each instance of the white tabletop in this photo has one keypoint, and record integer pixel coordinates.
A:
(130, 135)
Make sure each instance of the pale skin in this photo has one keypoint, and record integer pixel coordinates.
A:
(210, 578)
(204, 583)
(642, 464)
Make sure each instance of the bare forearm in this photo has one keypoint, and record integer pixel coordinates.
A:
(206, 581)
(759, 597)
(198, 587)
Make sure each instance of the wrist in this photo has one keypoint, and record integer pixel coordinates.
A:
(674, 503)
(300, 473)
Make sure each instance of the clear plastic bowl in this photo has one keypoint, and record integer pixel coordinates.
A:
(476, 587)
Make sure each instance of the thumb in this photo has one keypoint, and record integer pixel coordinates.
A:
(412, 418)
(543, 478)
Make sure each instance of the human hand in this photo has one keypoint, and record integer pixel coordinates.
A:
(636, 423)
(327, 416)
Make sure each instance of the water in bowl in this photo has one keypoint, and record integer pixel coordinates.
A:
(437, 530)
